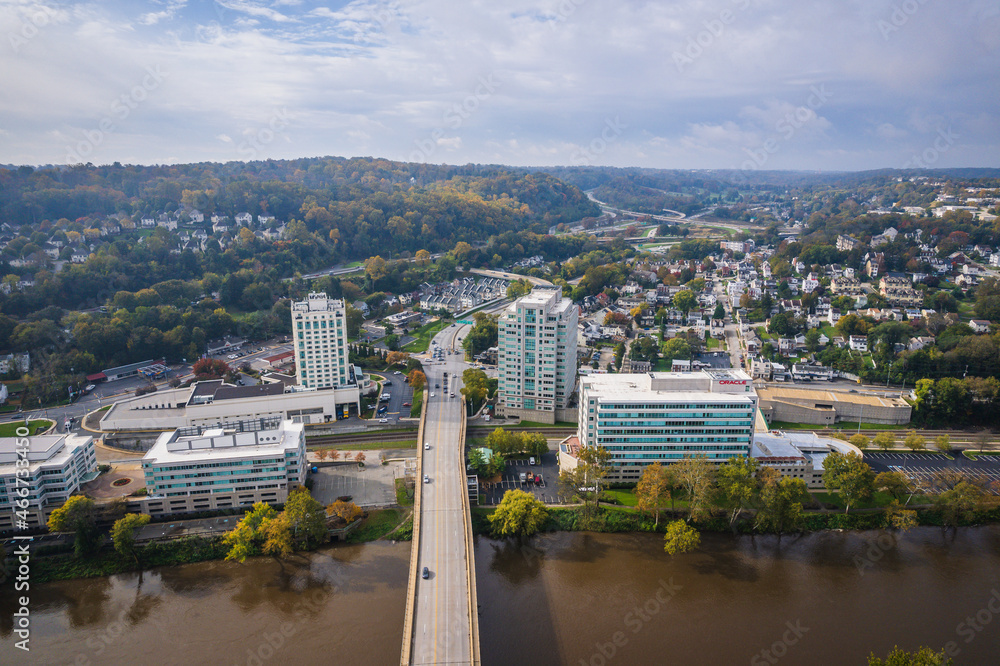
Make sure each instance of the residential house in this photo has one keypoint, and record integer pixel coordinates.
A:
(858, 343)
(980, 325)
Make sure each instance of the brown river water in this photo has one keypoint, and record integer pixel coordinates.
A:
(565, 598)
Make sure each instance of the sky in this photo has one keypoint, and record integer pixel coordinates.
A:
(699, 84)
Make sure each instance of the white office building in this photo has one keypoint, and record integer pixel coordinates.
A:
(319, 332)
(56, 466)
(666, 416)
(798, 455)
(221, 470)
(536, 359)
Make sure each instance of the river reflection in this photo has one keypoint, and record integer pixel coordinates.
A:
(824, 598)
(340, 605)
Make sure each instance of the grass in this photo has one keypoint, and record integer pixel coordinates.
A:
(418, 399)
(424, 334)
(10, 429)
(378, 523)
(403, 496)
(976, 455)
(625, 497)
(371, 446)
(712, 343)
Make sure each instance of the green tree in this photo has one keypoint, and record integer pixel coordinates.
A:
(652, 490)
(780, 501)
(594, 463)
(942, 443)
(884, 440)
(720, 312)
(78, 515)
(518, 514)
(685, 300)
(959, 504)
(676, 348)
(849, 474)
(894, 483)
(924, 656)
(915, 441)
(736, 480)
(354, 320)
(859, 440)
(899, 518)
(680, 538)
(518, 288)
(123, 533)
(305, 518)
(812, 339)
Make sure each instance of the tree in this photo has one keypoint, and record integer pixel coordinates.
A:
(123, 533)
(959, 504)
(680, 538)
(360, 458)
(859, 440)
(594, 462)
(397, 358)
(850, 475)
(247, 538)
(720, 312)
(417, 379)
(676, 348)
(924, 656)
(518, 514)
(354, 320)
(895, 484)
(277, 536)
(914, 441)
(423, 257)
(695, 475)
(209, 368)
(812, 339)
(943, 443)
(982, 438)
(780, 501)
(899, 518)
(346, 511)
(652, 490)
(737, 484)
(77, 515)
(685, 300)
(519, 288)
(305, 518)
(884, 440)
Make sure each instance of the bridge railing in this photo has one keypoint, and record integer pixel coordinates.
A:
(411, 585)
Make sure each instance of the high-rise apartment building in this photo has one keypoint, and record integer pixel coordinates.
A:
(666, 416)
(319, 331)
(536, 357)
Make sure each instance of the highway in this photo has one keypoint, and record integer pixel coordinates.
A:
(442, 622)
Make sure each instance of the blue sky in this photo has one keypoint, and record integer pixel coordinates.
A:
(771, 84)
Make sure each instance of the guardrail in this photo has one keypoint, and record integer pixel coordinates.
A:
(411, 585)
(470, 563)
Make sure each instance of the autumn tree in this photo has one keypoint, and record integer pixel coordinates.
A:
(518, 514)
(894, 483)
(423, 257)
(247, 538)
(397, 358)
(78, 515)
(859, 440)
(417, 379)
(695, 474)
(360, 458)
(914, 441)
(943, 443)
(346, 511)
(884, 440)
(652, 490)
(680, 538)
(209, 368)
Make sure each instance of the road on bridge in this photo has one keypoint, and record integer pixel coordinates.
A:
(442, 622)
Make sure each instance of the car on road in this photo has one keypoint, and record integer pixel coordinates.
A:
(397, 373)
(407, 404)
(427, 479)
(432, 395)
(89, 388)
(426, 573)
(437, 385)
(452, 395)
(383, 420)
(427, 446)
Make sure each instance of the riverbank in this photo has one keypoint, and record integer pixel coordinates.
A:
(56, 563)
(613, 519)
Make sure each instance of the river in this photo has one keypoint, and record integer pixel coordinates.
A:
(565, 598)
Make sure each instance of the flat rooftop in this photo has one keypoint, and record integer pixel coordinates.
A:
(820, 395)
(172, 448)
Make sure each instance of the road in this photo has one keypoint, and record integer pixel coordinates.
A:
(441, 624)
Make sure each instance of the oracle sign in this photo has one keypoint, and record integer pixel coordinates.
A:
(733, 382)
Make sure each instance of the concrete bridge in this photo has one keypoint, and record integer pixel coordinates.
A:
(442, 625)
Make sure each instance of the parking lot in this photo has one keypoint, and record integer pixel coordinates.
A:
(547, 467)
(400, 392)
(371, 485)
(922, 467)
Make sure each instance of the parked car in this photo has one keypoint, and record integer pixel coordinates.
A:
(531, 460)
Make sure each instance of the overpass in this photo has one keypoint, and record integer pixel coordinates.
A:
(441, 624)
